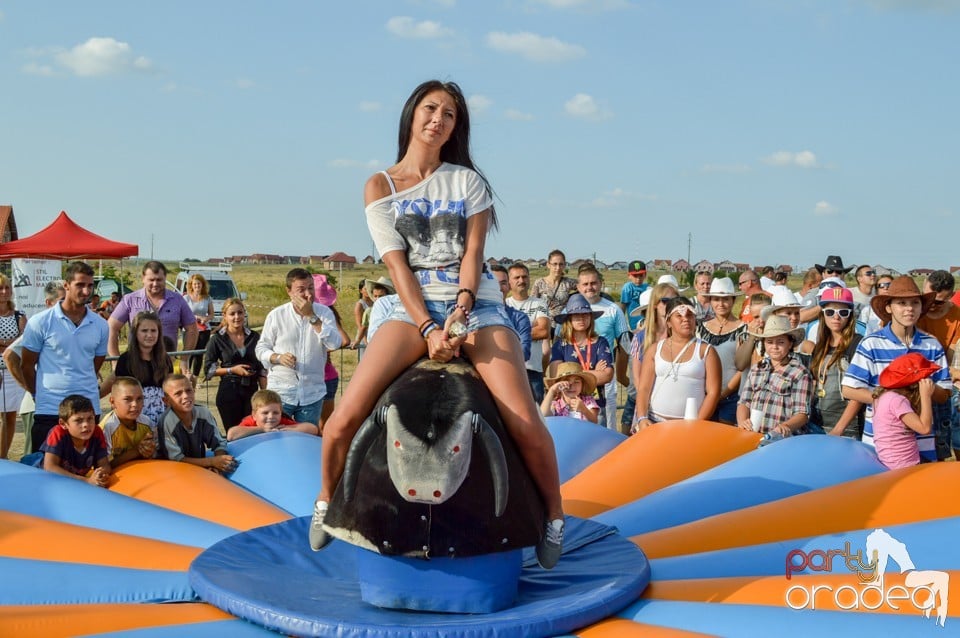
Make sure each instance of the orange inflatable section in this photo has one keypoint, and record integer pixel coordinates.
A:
(890, 498)
(192, 490)
(803, 591)
(652, 459)
(621, 628)
(55, 621)
(35, 538)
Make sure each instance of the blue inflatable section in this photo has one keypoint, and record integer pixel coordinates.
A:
(758, 621)
(213, 629)
(787, 468)
(29, 582)
(27, 490)
(269, 576)
(579, 443)
(282, 468)
(925, 540)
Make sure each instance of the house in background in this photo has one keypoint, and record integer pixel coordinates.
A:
(8, 225)
(704, 265)
(339, 260)
(681, 265)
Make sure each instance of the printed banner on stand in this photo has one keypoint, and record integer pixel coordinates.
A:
(29, 278)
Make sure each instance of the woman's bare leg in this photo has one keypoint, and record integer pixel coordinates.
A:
(8, 425)
(396, 347)
(495, 353)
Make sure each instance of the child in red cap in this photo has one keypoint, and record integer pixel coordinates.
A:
(903, 408)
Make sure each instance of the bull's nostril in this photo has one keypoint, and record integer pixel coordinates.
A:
(396, 444)
(456, 448)
(412, 492)
(436, 494)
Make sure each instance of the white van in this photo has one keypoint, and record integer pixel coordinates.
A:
(218, 279)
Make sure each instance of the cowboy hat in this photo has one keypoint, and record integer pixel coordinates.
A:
(573, 369)
(782, 297)
(906, 370)
(901, 287)
(670, 279)
(577, 304)
(778, 325)
(323, 292)
(642, 303)
(723, 287)
(382, 281)
(834, 263)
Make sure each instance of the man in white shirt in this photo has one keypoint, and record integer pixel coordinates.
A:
(293, 348)
(536, 310)
(612, 325)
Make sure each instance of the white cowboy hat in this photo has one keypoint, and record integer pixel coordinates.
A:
(670, 279)
(723, 287)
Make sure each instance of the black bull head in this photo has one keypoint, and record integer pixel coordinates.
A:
(433, 472)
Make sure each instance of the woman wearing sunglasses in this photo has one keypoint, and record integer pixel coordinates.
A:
(836, 343)
(867, 316)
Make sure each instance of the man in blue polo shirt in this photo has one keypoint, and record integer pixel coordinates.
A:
(899, 310)
(63, 348)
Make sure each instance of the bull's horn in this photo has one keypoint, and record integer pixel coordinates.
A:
(491, 445)
(358, 451)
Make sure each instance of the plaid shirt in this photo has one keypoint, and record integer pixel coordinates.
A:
(779, 395)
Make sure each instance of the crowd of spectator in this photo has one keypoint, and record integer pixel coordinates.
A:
(761, 357)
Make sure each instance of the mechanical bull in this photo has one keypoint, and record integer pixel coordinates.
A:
(434, 473)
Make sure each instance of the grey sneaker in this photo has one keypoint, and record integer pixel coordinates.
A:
(551, 545)
(318, 536)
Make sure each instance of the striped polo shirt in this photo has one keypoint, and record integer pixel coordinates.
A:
(875, 353)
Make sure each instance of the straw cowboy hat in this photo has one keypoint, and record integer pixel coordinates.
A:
(382, 281)
(323, 292)
(778, 325)
(577, 304)
(901, 287)
(723, 287)
(906, 370)
(573, 369)
(834, 263)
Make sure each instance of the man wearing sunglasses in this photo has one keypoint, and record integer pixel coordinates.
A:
(866, 286)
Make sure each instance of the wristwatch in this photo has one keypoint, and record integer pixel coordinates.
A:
(314, 320)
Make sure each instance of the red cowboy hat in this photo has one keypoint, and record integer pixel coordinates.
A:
(906, 370)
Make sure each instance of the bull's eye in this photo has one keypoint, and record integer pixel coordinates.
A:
(396, 444)
(436, 494)
(456, 448)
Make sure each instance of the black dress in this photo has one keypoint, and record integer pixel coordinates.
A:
(233, 396)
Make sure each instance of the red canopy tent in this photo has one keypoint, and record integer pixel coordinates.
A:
(65, 239)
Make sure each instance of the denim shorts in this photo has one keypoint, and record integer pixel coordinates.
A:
(309, 413)
(483, 315)
(332, 386)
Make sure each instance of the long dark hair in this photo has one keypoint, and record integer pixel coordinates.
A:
(822, 346)
(457, 148)
(158, 356)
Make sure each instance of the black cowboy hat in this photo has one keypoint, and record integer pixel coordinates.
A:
(834, 263)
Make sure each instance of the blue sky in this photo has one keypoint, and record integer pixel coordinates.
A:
(771, 131)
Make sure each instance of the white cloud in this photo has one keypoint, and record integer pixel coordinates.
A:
(351, 163)
(370, 107)
(102, 56)
(406, 27)
(244, 83)
(801, 159)
(617, 196)
(533, 47)
(32, 68)
(825, 209)
(725, 168)
(601, 5)
(517, 115)
(585, 106)
(479, 103)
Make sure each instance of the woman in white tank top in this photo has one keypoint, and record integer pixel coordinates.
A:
(679, 367)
